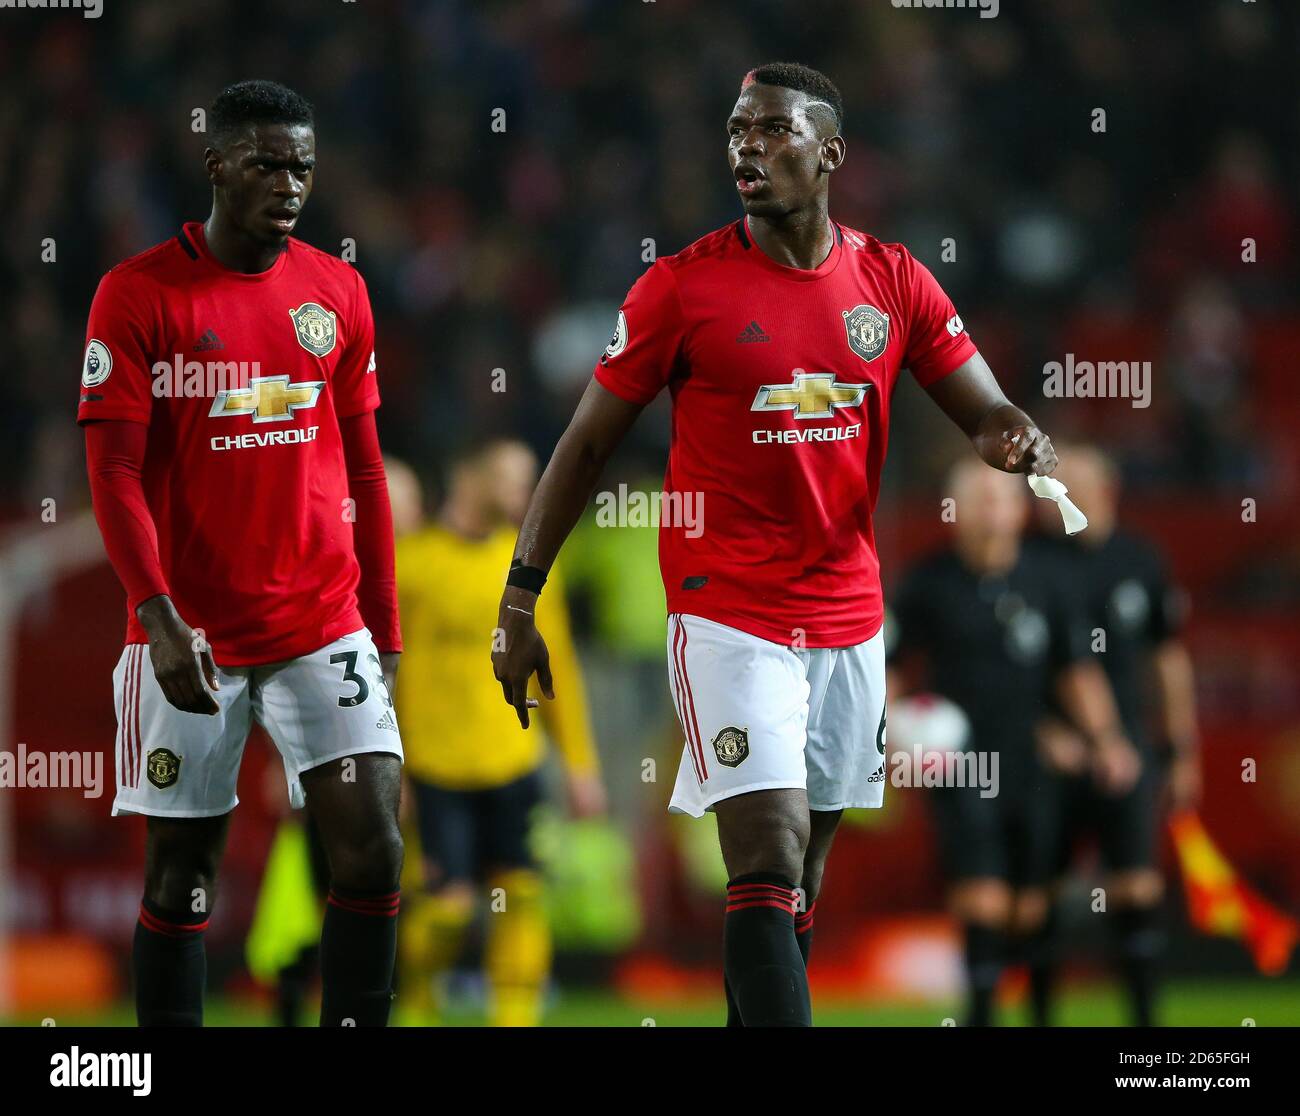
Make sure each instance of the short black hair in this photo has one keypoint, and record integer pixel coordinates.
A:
(256, 102)
(795, 75)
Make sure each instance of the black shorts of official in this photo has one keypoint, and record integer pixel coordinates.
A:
(1124, 828)
(466, 834)
(1014, 836)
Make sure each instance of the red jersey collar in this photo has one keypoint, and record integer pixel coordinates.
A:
(798, 274)
(196, 247)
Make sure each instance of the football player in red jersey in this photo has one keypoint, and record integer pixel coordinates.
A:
(228, 398)
(780, 338)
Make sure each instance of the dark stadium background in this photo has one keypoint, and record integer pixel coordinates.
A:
(511, 249)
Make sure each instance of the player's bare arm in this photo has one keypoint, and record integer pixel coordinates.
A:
(1002, 434)
(598, 425)
(1086, 697)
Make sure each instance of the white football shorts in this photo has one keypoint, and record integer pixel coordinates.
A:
(758, 716)
(316, 708)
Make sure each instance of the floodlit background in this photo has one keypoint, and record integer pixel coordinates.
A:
(1170, 237)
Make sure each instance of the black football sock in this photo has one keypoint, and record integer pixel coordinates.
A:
(761, 957)
(803, 928)
(1139, 943)
(802, 935)
(984, 956)
(1041, 957)
(358, 948)
(803, 931)
(170, 967)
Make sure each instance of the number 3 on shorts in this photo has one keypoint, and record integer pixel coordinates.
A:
(349, 659)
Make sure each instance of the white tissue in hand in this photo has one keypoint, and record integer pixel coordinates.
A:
(1049, 488)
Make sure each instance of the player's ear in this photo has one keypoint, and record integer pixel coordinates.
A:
(212, 162)
(832, 153)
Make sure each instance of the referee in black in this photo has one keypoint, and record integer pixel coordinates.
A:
(993, 629)
(1134, 614)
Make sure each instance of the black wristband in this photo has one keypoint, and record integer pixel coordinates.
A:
(526, 577)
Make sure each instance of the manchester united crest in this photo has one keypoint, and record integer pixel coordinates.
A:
(868, 331)
(315, 328)
(163, 767)
(731, 746)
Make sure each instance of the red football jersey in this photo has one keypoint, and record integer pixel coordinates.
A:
(241, 380)
(781, 379)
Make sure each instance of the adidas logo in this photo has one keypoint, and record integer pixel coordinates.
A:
(751, 333)
(387, 721)
(208, 342)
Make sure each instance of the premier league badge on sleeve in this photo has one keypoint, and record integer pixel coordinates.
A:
(97, 365)
(868, 331)
(315, 327)
(618, 342)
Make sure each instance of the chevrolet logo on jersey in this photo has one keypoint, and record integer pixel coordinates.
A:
(267, 399)
(812, 395)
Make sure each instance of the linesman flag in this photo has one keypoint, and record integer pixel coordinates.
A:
(1221, 904)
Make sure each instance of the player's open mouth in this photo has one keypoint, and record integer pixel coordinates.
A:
(749, 178)
(283, 219)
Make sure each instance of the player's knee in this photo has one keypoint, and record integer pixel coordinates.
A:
(182, 857)
(764, 833)
(779, 851)
(369, 863)
(185, 880)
